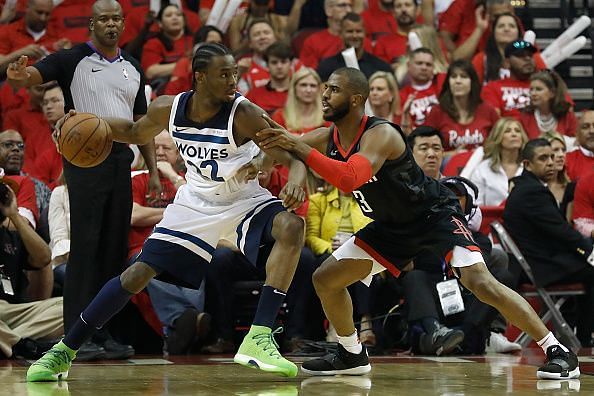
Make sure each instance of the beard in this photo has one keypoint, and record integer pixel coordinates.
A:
(338, 113)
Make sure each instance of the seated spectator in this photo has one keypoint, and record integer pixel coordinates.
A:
(171, 44)
(252, 68)
(491, 64)
(389, 47)
(381, 20)
(48, 164)
(273, 95)
(384, 97)
(326, 42)
(23, 322)
(32, 125)
(30, 36)
(560, 185)
(501, 162)
(462, 117)
(353, 35)
(549, 109)
(581, 161)
(418, 97)
(509, 95)
(257, 9)
(179, 309)
(583, 205)
(181, 76)
(426, 144)
(303, 111)
(556, 252)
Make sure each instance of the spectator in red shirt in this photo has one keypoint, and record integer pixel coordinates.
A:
(510, 95)
(326, 42)
(303, 111)
(549, 109)
(252, 69)
(172, 43)
(384, 97)
(181, 77)
(273, 95)
(390, 47)
(581, 161)
(31, 124)
(71, 19)
(583, 205)
(30, 35)
(418, 97)
(48, 165)
(461, 116)
(491, 64)
(380, 20)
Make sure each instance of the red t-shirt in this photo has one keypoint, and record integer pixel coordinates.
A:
(26, 197)
(578, 164)
(279, 116)
(140, 187)
(15, 36)
(390, 46)
(154, 51)
(508, 95)
(48, 167)
(11, 99)
(424, 100)
(378, 23)
(181, 78)
(323, 44)
(480, 60)
(459, 20)
(566, 125)
(583, 203)
(267, 98)
(35, 130)
(456, 135)
(70, 19)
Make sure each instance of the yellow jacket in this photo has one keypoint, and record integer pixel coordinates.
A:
(323, 218)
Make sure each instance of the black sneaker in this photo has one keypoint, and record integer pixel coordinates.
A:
(559, 365)
(339, 362)
(116, 351)
(441, 342)
(90, 351)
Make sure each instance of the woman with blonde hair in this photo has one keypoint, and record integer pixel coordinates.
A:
(384, 97)
(501, 162)
(560, 185)
(303, 111)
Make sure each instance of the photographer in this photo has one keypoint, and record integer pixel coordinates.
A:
(22, 323)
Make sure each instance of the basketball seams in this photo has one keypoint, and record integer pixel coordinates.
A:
(63, 137)
(72, 145)
(82, 146)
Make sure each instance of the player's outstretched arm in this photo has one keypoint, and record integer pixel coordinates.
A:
(145, 128)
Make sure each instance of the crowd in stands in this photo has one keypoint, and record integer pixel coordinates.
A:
(473, 98)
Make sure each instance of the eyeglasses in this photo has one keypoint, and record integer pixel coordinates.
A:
(9, 145)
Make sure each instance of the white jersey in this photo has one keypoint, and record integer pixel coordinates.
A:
(210, 153)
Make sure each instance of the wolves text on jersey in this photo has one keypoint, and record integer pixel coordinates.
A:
(201, 152)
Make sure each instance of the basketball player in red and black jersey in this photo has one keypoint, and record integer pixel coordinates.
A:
(368, 157)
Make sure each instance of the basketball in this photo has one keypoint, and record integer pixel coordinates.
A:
(85, 140)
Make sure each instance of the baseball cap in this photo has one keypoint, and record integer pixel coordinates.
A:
(517, 47)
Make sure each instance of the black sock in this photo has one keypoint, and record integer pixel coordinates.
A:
(109, 301)
(268, 306)
(430, 324)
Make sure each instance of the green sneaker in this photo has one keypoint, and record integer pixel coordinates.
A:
(260, 350)
(53, 365)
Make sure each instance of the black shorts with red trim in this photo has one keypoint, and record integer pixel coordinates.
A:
(395, 245)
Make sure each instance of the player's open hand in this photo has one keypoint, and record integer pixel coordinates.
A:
(17, 70)
(275, 136)
(58, 128)
(292, 196)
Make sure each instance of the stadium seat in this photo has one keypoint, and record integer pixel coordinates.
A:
(456, 163)
(552, 298)
(490, 214)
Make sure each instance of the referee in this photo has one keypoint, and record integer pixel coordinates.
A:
(96, 77)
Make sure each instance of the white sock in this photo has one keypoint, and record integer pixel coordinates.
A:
(351, 343)
(550, 340)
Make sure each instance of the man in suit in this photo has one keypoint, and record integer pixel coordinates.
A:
(555, 251)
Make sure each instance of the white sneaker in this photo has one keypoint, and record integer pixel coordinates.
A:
(498, 343)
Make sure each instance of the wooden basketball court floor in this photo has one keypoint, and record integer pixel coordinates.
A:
(491, 374)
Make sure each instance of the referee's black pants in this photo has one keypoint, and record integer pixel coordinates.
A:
(100, 210)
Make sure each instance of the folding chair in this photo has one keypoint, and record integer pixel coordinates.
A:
(552, 297)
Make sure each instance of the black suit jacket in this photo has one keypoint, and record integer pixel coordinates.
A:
(368, 64)
(552, 247)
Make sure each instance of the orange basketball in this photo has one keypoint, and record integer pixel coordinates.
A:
(85, 140)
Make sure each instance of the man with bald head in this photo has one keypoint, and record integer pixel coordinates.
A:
(581, 161)
(96, 77)
(30, 35)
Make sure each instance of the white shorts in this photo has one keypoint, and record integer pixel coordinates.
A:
(461, 257)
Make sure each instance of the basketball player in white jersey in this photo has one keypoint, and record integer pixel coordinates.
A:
(213, 128)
